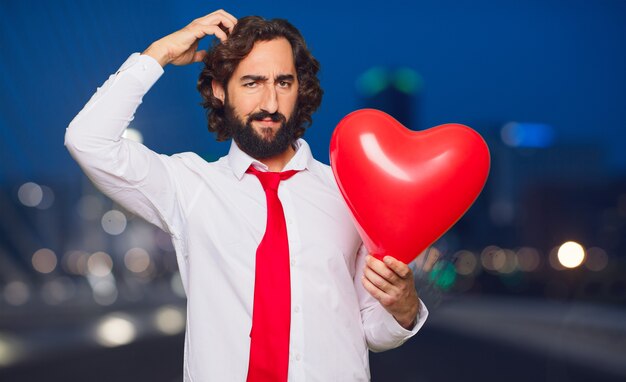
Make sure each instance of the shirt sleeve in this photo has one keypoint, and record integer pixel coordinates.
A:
(382, 331)
(128, 172)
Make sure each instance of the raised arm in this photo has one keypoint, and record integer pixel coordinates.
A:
(128, 172)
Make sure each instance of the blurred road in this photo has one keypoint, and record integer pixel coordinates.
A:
(469, 339)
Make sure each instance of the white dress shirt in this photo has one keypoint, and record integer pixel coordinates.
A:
(216, 216)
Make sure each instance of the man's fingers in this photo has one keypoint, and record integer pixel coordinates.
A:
(372, 289)
(200, 55)
(390, 282)
(383, 270)
(220, 34)
(398, 267)
(232, 18)
(200, 30)
(226, 22)
(375, 279)
(385, 299)
(217, 17)
(203, 30)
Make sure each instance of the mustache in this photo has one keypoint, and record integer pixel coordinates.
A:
(261, 115)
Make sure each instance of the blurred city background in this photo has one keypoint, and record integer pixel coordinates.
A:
(529, 285)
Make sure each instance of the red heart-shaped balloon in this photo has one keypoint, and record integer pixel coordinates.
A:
(405, 188)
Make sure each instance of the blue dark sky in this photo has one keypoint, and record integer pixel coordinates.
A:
(483, 63)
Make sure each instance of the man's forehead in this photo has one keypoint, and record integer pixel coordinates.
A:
(270, 59)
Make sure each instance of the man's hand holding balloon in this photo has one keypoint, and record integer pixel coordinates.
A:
(391, 282)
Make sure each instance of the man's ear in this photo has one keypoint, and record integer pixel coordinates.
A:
(218, 90)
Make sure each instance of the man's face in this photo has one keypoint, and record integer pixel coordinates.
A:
(261, 99)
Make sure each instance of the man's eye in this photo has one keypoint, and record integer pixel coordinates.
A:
(250, 84)
(284, 84)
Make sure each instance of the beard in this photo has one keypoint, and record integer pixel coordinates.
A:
(268, 143)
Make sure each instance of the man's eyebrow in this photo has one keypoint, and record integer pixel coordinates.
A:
(252, 77)
(285, 77)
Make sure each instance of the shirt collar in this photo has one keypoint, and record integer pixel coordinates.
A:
(240, 161)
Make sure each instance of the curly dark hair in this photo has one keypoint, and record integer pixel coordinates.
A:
(223, 58)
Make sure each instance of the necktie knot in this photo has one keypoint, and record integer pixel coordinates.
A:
(271, 180)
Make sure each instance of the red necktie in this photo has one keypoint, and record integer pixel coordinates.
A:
(271, 313)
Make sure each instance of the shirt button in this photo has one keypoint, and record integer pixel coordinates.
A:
(292, 262)
(296, 308)
(289, 222)
(144, 67)
(298, 357)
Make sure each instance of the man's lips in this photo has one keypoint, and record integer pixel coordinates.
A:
(267, 122)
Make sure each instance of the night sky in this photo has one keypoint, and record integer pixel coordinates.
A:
(481, 63)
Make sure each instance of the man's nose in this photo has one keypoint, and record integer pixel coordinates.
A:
(269, 102)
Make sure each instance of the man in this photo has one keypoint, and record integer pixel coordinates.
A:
(260, 86)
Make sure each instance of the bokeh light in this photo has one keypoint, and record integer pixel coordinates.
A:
(99, 264)
(137, 260)
(47, 198)
(523, 134)
(139, 234)
(553, 259)
(571, 254)
(510, 262)
(44, 260)
(11, 350)
(169, 320)
(113, 222)
(466, 263)
(75, 262)
(176, 283)
(114, 330)
(30, 194)
(373, 81)
(528, 259)
(407, 81)
(428, 259)
(104, 290)
(133, 135)
(16, 293)
(597, 259)
(443, 274)
(493, 258)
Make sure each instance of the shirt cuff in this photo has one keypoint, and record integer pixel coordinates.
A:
(398, 331)
(143, 67)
